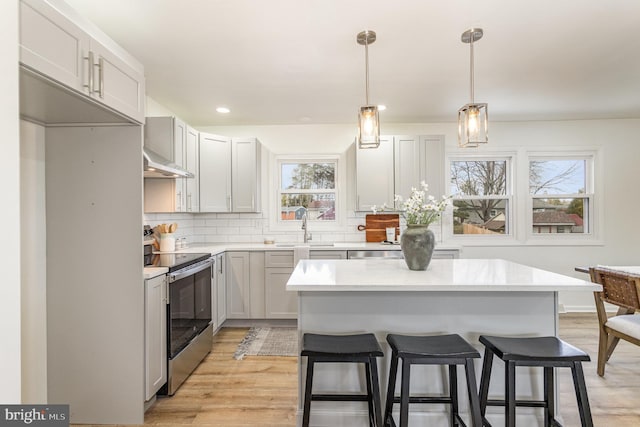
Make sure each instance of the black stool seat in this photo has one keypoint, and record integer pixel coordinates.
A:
(359, 348)
(365, 345)
(534, 349)
(451, 350)
(545, 352)
(449, 346)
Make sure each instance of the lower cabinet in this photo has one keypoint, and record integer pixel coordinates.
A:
(279, 303)
(155, 335)
(218, 293)
(221, 290)
(316, 254)
(245, 285)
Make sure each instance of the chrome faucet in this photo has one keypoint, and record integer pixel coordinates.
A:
(305, 227)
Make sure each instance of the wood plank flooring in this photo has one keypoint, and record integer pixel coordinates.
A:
(261, 391)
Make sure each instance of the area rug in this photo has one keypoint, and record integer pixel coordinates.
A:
(268, 342)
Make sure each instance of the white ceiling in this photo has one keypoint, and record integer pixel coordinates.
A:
(297, 61)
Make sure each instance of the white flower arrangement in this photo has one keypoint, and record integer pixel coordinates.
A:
(419, 208)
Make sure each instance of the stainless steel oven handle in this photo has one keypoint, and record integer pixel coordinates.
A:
(190, 271)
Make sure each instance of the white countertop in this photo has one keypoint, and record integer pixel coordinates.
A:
(485, 275)
(151, 272)
(216, 248)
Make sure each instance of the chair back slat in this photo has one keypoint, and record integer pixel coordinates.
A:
(618, 287)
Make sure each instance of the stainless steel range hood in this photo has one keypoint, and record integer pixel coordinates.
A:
(156, 166)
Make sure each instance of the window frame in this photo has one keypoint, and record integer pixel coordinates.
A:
(522, 226)
(276, 224)
(592, 218)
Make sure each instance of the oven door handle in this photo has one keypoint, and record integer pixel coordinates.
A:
(191, 271)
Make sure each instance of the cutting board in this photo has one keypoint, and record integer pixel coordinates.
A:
(376, 226)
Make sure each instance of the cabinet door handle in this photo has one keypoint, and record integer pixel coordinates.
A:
(179, 201)
(189, 202)
(101, 77)
(89, 59)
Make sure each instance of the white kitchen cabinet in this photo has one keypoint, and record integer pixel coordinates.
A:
(279, 303)
(374, 175)
(52, 44)
(419, 158)
(221, 290)
(61, 45)
(229, 174)
(171, 138)
(215, 173)
(176, 148)
(192, 164)
(318, 254)
(155, 334)
(245, 175)
(245, 285)
(238, 285)
(400, 163)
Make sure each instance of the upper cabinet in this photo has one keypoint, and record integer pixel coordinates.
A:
(374, 175)
(229, 174)
(177, 142)
(215, 173)
(192, 164)
(399, 163)
(62, 46)
(245, 175)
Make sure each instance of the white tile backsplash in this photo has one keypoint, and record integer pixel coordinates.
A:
(254, 227)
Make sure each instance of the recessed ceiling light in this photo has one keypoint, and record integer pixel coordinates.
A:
(223, 110)
(382, 107)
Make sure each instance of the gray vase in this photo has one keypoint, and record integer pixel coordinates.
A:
(417, 243)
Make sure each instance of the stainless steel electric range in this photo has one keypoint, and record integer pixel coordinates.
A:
(189, 329)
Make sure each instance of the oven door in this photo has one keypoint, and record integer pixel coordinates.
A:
(189, 309)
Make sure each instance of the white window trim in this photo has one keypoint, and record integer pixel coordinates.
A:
(522, 234)
(508, 155)
(278, 225)
(594, 180)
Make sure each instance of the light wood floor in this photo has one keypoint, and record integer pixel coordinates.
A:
(261, 391)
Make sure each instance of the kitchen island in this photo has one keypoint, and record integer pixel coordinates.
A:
(470, 297)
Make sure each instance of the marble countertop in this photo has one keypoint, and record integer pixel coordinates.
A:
(484, 275)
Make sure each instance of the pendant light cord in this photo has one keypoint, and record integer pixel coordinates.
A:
(471, 78)
(366, 60)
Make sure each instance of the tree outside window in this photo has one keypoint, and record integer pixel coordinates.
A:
(481, 197)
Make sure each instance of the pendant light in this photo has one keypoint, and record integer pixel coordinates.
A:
(368, 121)
(473, 118)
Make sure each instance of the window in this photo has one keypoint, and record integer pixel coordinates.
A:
(561, 194)
(481, 191)
(307, 186)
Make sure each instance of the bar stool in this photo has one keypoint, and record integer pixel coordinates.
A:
(546, 352)
(363, 348)
(451, 350)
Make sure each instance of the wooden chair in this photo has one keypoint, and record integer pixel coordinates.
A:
(620, 289)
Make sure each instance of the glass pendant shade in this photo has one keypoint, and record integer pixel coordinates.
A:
(368, 127)
(473, 125)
